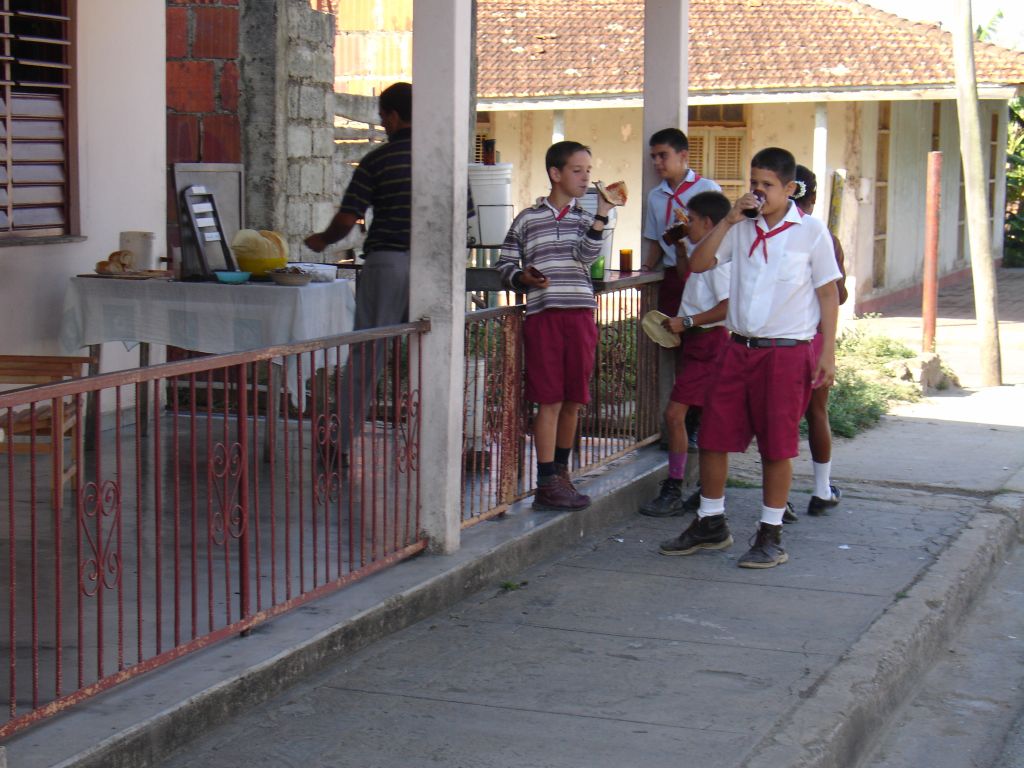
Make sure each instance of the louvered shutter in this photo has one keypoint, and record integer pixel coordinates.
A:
(36, 81)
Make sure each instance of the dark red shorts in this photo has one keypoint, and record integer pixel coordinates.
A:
(699, 370)
(759, 393)
(670, 292)
(560, 346)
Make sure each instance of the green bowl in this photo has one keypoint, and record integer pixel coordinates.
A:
(232, 278)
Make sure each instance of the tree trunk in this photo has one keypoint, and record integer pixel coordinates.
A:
(977, 214)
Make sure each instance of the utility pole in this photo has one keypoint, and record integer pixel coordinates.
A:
(978, 234)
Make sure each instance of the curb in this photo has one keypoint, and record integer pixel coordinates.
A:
(840, 715)
(391, 600)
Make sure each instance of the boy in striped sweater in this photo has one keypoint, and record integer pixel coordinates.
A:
(547, 254)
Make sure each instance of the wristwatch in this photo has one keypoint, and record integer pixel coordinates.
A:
(688, 321)
(601, 217)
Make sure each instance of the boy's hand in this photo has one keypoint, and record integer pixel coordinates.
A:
(603, 206)
(749, 201)
(674, 324)
(676, 233)
(825, 372)
(533, 278)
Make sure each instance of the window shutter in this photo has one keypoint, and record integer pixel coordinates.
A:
(35, 57)
(697, 154)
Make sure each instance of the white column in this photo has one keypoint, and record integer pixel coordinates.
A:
(666, 71)
(820, 160)
(441, 64)
(558, 126)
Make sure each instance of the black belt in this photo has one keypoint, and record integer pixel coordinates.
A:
(751, 343)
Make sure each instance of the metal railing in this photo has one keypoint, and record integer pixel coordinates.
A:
(499, 462)
(246, 491)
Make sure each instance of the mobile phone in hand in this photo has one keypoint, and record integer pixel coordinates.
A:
(535, 273)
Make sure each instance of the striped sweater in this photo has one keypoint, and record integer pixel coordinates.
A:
(560, 247)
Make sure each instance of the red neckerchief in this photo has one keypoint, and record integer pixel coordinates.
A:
(561, 214)
(762, 238)
(677, 197)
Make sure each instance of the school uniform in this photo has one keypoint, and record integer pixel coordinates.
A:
(702, 345)
(662, 202)
(764, 381)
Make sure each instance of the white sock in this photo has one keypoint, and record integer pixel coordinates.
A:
(772, 516)
(711, 507)
(822, 479)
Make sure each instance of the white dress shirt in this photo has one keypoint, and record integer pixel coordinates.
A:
(706, 290)
(775, 297)
(658, 205)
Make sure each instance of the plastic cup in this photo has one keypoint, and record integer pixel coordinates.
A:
(626, 260)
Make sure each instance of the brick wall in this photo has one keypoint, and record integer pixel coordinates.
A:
(202, 87)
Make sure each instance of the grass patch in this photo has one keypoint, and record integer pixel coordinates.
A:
(865, 388)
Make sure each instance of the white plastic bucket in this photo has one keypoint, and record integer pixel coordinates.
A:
(492, 196)
(143, 245)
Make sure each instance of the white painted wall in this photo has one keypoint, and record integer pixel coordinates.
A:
(121, 177)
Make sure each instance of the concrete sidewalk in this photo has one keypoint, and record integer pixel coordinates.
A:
(566, 640)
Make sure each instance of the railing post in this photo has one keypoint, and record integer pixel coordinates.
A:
(511, 407)
(244, 606)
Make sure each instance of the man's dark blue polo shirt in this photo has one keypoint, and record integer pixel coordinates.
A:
(384, 180)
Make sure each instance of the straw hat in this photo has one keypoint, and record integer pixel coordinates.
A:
(659, 334)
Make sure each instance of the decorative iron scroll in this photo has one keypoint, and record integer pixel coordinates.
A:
(99, 521)
(226, 477)
(328, 482)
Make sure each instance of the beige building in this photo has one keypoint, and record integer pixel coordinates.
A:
(857, 94)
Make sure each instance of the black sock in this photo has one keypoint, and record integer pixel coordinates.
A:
(562, 455)
(545, 469)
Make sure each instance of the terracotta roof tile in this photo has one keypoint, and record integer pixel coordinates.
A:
(545, 48)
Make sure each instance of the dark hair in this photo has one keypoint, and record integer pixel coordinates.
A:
(806, 176)
(671, 136)
(558, 154)
(779, 161)
(397, 98)
(714, 205)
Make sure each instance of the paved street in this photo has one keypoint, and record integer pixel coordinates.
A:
(552, 640)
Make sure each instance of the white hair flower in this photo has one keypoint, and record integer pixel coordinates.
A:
(801, 189)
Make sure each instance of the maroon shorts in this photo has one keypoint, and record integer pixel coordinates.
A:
(670, 292)
(560, 346)
(699, 371)
(759, 393)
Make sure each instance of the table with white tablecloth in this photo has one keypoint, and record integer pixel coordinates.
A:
(206, 317)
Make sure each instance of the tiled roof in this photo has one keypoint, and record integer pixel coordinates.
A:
(554, 48)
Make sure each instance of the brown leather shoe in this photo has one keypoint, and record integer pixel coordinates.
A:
(557, 494)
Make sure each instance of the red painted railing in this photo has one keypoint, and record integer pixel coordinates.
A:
(251, 487)
(498, 458)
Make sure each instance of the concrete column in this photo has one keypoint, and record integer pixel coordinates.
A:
(666, 84)
(666, 71)
(441, 69)
(820, 159)
(558, 127)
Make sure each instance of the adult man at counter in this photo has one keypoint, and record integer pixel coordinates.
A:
(382, 181)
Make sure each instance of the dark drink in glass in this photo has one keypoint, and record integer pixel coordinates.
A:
(751, 213)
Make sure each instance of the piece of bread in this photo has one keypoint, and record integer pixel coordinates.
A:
(279, 243)
(125, 259)
(615, 193)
